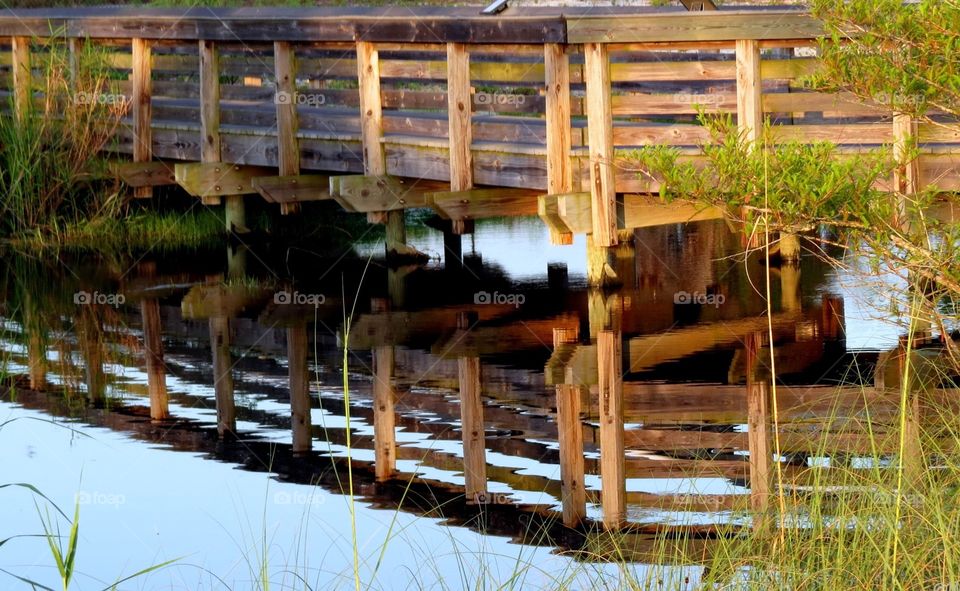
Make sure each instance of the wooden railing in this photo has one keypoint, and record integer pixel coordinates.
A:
(539, 101)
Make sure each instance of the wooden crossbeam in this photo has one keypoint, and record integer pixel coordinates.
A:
(483, 203)
(293, 189)
(363, 193)
(144, 174)
(216, 179)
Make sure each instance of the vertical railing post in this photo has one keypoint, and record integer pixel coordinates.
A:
(288, 146)
(557, 83)
(612, 467)
(906, 175)
(22, 76)
(603, 193)
(142, 108)
(459, 116)
(749, 100)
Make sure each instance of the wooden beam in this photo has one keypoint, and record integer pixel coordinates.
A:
(610, 392)
(384, 415)
(471, 421)
(749, 91)
(144, 174)
(217, 179)
(22, 75)
(570, 441)
(293, 189)
(459, 113)
(483, 203)
(600, 132)
(371, 110)
(299, 376)
(365, 194)
(559, 170)
(288, 147)
(141, 101)
(683, 26)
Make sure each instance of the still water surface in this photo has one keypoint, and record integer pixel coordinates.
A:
(475, 406)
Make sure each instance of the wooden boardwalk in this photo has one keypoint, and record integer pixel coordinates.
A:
(524, 113)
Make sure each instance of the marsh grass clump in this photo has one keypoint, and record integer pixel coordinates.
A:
(50, 146)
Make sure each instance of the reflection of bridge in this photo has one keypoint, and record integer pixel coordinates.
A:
(556, 404)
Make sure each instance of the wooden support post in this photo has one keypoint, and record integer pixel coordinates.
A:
(371, 110)
(299, 374)
(209, 102)
(601, 261)
(142, 83)
(74, 48)
(570, 440)
(459, 117)
(603, 192)
(907, 174)
(789, 248)
(223, 375)
(471, 421)
(612, 467)
(153, 349)
(288, 146)
(758, 431)
(384, 418)
(559, 172)
(22, 76)
(749, 90)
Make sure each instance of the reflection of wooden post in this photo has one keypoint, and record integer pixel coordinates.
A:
(570, 440)
(222, 375)
(612, 468)
(790, 287)
(156, 369)
(832, 317)
(471, 420)
(91, 347)
(36, 352)
(384, 419)
(299, 388)
(758, 430)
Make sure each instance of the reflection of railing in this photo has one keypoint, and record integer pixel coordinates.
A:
(539, 101)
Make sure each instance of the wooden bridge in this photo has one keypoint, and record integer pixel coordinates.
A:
(523, 113)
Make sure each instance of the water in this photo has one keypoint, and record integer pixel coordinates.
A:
(250, 472)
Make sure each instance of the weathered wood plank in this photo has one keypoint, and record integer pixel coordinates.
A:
(714, 26)
(460, 135)
(600, 132)
(288, 148)
(216, 179)
(142, 81)
(484, 203)
(144, 174)
(293, 189)
(366, 194)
